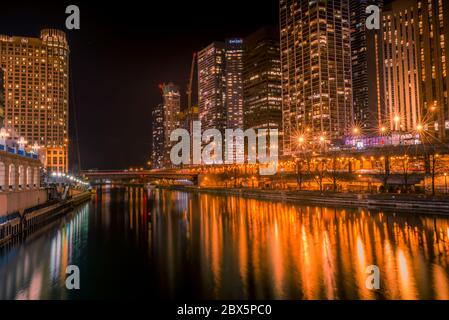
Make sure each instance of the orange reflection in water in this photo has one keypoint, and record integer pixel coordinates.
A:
(259, 249)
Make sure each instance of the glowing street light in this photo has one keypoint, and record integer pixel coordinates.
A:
(35, 148)
(419, 127)
(22, 142)
(3, 135)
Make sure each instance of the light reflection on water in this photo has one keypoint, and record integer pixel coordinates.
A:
(259, 249)
(179, 245)
(34, 268)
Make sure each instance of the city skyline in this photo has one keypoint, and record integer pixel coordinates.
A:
(240, 153)
(102, 89)
(344, 104)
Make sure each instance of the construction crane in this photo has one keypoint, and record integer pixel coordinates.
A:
(190, 84)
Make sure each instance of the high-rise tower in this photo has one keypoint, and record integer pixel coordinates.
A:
(37, 92)
(316, 69)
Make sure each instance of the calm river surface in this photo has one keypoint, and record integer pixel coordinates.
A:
(133, 243)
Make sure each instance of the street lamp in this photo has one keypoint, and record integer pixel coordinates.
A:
(22, 142)
(35, 148)
(397, 121)
(3, 135)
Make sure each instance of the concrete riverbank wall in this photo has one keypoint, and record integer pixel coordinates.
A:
(16, 223)
(391, 202)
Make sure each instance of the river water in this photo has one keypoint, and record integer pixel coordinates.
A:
(133, 243)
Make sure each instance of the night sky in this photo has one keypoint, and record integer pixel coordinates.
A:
(121, 54)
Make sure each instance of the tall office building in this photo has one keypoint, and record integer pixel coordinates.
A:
(400, 54)
(171, 100)
(432, 19)
(316, 69)
(367, 71)
(37, 92)
(158, 151)
(234, 83)
(2, 98)
(212, 87)
(187, 118)
(262, 84)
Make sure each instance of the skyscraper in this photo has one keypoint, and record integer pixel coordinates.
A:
(212, 87)
(316, 69)
(262, 85)
(37, 92)
(432, 19)
(367, 71)
(158, 151)
(171, 100)
(400, 54)
(234, 83)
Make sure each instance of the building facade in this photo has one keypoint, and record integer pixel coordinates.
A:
(432, 20)
(262, 84)
(171, 100)
(157, 155)
(316, 69)
(367, 71)
(37, 92)
(234, 83)
(212, 87)
(400, 54)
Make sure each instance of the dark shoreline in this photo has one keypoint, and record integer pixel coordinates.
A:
(392, 202)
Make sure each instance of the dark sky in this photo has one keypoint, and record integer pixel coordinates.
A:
(121, 54)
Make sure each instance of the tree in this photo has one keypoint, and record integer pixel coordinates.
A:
(302, 169)
(335, 173)
(299, 172)
(320, 171)
(403, 162)
(386, 171)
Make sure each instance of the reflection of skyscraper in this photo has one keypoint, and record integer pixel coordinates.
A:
(366, 48)
(157, 155)
(234, 83)
(316, 69)
(2, 98)
(212, 86)
(262, 84)
(37, 92)
(400, 54)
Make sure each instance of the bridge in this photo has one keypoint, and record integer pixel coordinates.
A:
(136, 176)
